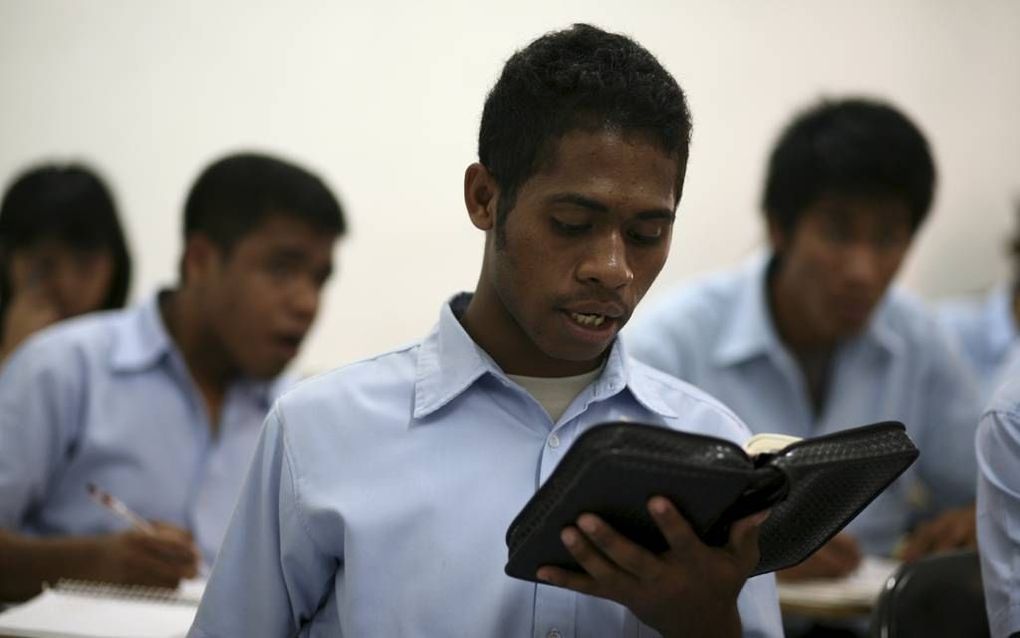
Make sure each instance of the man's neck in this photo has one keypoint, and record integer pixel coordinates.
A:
(784, 307)
(203, 355)
(811, 351)
(490, 326)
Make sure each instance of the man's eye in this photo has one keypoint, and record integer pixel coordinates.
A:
(838, 233)
(647, 233)
(280, 269)
(570, 229)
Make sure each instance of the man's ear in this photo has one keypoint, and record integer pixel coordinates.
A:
(778, 237)
(201, 257)
(481, 196)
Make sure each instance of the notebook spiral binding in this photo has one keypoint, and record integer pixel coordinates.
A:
(93, 589)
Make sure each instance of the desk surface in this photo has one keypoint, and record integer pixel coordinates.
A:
(838, 599)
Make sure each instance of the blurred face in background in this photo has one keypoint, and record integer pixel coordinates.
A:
(259, 299)
(70, 281)
(837, 263)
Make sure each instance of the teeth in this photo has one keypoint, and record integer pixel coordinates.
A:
(588, 320)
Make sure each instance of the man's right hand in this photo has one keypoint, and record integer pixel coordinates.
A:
(835, 559)
(135, 557)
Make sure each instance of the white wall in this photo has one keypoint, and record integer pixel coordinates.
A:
(383, 99)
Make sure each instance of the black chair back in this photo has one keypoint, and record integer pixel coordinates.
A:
(934, 597)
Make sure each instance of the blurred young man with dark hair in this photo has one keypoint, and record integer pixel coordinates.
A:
(810, 339)
(381, 493)
(161, 404)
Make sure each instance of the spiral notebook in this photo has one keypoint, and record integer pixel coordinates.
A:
(76, 609)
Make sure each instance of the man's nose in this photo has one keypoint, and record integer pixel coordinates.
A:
(605, 263)
(304, 299)
(862, 264)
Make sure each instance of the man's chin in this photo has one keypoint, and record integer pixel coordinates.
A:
(266, 370)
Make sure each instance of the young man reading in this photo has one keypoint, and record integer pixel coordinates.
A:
(161, 404)
(380, 493)
(809, 339)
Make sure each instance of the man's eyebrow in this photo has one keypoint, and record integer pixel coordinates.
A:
(657, 213)
(576, 199)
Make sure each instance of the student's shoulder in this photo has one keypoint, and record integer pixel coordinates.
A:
(960, 311)
(81, 340)
(1005, 400)
(702, 299)
(912, 319)
(386, 374)
(696, 410)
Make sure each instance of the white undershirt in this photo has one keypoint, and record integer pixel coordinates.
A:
(556, 393)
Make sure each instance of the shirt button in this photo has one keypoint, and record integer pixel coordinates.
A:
(554, 442)
(554, 633)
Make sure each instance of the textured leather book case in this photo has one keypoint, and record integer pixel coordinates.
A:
(814, 487)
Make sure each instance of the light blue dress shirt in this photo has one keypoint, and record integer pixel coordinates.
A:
(380, 494)
(107, 399)
(998, 501)
(985, 329)
(717, 333)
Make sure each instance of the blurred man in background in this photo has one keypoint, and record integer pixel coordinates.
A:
(161, 404)
(809, 339)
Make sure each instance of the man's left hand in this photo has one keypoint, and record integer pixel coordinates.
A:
(689, 590)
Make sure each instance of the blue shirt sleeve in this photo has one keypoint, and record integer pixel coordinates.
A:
(270, 576)
(39, 394)
(947, 465)
(998, 517)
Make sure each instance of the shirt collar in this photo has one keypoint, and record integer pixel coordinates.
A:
(141, 339)
(750, 331)
(450, 362)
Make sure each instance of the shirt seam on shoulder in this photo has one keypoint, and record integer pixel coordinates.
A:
(295, 480)
(708, 401)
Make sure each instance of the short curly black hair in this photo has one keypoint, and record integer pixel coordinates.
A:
(235, 193)
(851, 147)
(581, 78)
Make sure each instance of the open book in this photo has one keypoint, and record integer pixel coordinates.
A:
(813, 487)
(78, 609)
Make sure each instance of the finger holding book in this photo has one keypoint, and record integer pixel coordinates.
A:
(669, 591)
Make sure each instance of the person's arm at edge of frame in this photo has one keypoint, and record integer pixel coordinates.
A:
(268, 555)
(998, 518)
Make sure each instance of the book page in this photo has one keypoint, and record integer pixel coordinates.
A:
(859, 590)
(56, 613)
(767, 442)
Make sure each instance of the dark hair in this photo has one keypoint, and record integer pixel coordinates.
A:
(233, 195)
(852, 147)
(1014, 247)
(69, 204)
(579, 78)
